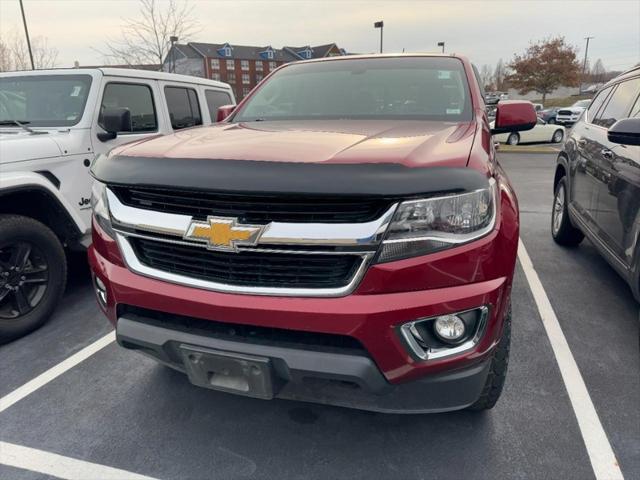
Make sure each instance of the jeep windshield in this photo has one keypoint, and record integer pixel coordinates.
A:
(412, 88)
(43, 100)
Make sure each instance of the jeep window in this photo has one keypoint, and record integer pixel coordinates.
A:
(44, 100)
(597, 102)
(413, 88)
(619, 104)
(215, 99)
(135, 97)
(184, 110)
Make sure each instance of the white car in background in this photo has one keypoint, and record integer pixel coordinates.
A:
(542, 132)
(570, 115)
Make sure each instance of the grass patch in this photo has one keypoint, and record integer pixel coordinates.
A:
(563, 101)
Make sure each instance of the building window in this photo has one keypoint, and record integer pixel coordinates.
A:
(215, 76)
(259, 77)
(231, 77)
(272, 65)
(245, 79)
(215, 64)
(259, 66)
(245, 91)
(227, 51)
(269, 54)
(231, 64)
(244, 64)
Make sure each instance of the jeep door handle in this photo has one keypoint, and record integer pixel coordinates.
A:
(606, 153)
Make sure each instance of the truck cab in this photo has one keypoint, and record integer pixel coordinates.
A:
(53, 124)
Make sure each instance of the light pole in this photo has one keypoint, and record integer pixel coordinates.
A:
(26, 32)
(441, 44)
(173, 39)
(379, 25)
(584, 64)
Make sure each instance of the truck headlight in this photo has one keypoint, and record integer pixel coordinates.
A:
(100, 207)
(432, 224)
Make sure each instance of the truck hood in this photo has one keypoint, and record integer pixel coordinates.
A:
(410, 143)
(573, 110)
(20, 146)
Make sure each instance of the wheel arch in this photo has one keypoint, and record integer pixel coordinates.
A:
(39, 203)
(561, 171)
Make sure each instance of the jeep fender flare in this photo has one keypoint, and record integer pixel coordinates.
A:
(11, 182)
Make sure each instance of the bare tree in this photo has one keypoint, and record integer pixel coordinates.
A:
(499, 74)
(14, 53)
(486, 76)
(146, 39)
(598, 72)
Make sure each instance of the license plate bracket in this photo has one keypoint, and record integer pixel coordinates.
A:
(237, 373)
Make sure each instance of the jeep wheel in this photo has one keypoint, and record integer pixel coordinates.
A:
(497, 371)
(563, 232)
(33, 273)
(513, 139)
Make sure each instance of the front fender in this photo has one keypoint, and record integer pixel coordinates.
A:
(12, 181)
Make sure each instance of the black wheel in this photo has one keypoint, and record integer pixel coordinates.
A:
(563, 232)
(552, 121)
(513, 139)
(558, 136)
(497, 371)
(33, 274)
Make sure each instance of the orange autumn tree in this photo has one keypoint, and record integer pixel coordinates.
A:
(545, 66)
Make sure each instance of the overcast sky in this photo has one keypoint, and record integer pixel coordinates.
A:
(484, 31)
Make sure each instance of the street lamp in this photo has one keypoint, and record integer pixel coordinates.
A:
(441, 44)
(173, 39)
(379, 25)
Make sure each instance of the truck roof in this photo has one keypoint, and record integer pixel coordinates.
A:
(121, 72)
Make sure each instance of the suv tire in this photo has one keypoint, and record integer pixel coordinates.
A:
(497, 371)
(33, 275)
(563, 232)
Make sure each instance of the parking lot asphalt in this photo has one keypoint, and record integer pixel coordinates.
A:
(120, 409)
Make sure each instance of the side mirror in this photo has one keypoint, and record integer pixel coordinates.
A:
(514, 116)
(224, 111)
(625, 131)
(112, 121)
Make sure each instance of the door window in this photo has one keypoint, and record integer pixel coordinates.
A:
(184, 110)
(635, 110)
(215, 99)
(592, 111)
(135, 97)
(620, 103)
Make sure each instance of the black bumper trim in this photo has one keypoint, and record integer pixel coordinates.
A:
(347, 380)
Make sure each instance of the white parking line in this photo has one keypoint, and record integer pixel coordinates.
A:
(603, 460)
(60, 466)
(54, 372)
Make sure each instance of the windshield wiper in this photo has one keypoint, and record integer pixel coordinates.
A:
(21, 124)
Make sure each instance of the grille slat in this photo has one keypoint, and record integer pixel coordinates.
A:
(251, 208)
(256, 269)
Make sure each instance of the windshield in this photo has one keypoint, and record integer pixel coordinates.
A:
(582, 103)
(44, 100)
(428, 88)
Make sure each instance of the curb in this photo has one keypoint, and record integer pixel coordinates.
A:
(514, 149)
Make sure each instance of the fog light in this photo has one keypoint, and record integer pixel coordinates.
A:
(449, 328)
(101, 291)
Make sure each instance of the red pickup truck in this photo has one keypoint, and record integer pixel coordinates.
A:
(345, 236)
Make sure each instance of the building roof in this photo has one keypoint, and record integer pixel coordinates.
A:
(243, 52)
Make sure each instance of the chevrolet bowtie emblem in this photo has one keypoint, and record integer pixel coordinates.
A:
(223, 233)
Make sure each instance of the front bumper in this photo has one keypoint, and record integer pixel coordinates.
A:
(348, 380)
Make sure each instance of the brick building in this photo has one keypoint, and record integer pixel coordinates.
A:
(241, 66)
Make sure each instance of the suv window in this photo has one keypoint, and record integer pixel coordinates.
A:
(184, 110)
(135, 97)
(619, 104)
(216, 99)
(592, 111)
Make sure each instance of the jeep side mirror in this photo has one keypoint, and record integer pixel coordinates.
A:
(112, 121)
(224, 111)
(514, 116)
(625, 131)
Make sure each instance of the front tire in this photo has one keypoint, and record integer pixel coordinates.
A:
(497, 371)
(33, 275)
(552, 121)
(563, 232)
(513, 139)
(558, 136)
